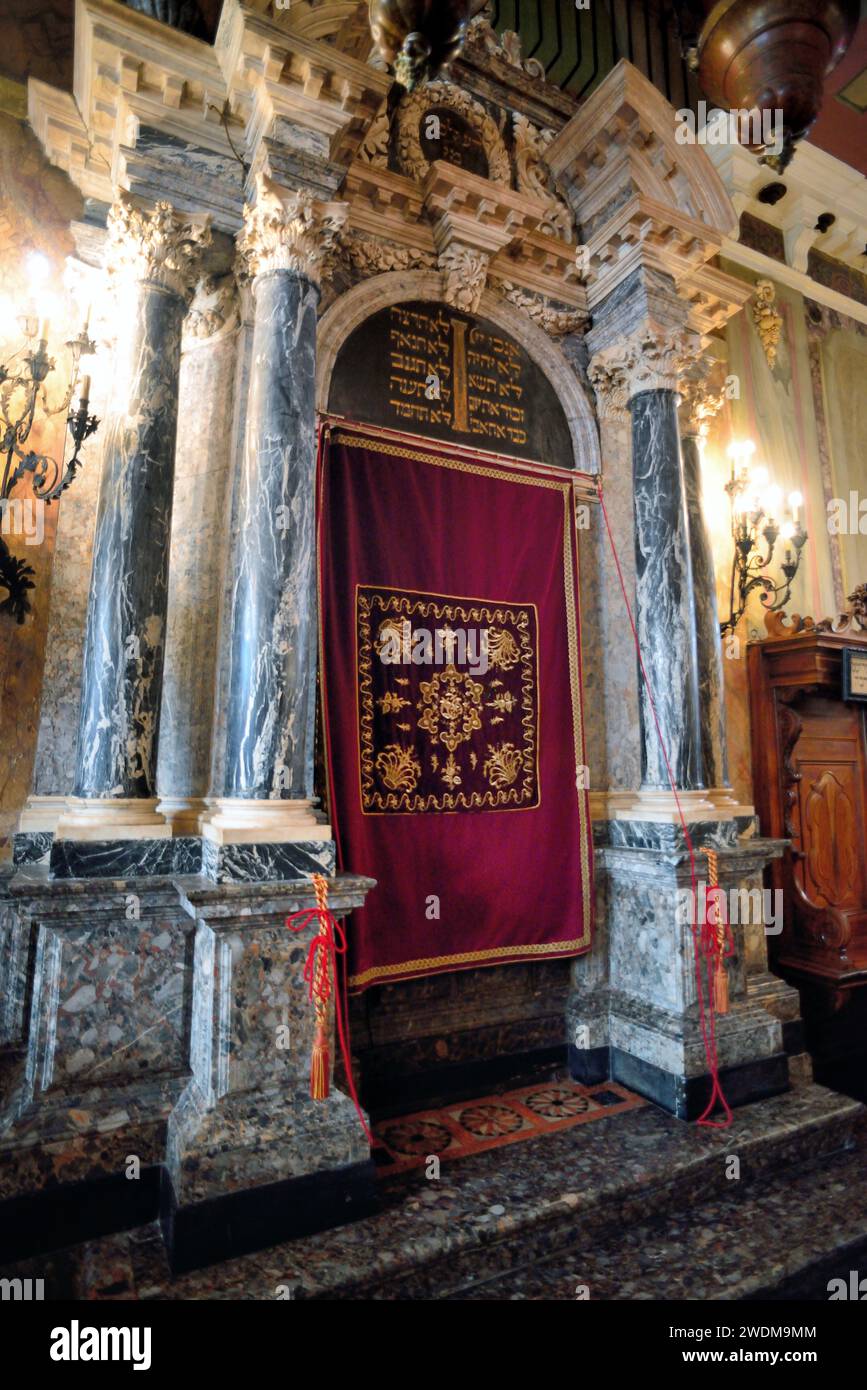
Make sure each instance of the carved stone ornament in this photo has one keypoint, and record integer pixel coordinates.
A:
(162, 247)
(608, 380)
(465, 274)
(767, 320)
(374, 147)
(556, 322)
(535, 179)
(701, 395)
(508, 46)
(289, 229)
(653, 359)
(366, 255)
(411, 112)
(213, 312)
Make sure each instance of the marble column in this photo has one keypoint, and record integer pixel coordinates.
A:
(267, 793)
(201, 531)
(698, 406)
(154, 259)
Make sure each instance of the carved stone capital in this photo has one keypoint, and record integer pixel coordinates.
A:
(652, 359)
(160, 246)
(465, 274)
(289, 229)
(608, 379)
(214, 310)
(701, 395)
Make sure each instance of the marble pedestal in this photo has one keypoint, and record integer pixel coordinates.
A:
(642, 1026)
(252, 862)
(155, 1043)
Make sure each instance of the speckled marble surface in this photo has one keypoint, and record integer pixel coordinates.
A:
(533, 1215)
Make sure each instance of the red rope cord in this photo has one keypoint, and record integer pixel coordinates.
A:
(701, 935)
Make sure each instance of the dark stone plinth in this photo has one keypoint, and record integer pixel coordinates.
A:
(32, 847)
(670, 837)
(126, 858)
(60, 1216)
(687, 1096)
(263, 863)
(267, 862)
(241, 1222)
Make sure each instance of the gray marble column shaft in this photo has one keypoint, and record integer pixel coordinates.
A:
(710, 669)
(126, 619)
(665, 589)
(270, 717)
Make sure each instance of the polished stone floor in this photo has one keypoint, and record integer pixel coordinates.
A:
(635, 1206)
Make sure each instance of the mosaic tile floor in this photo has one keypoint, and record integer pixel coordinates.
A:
(472, 1127)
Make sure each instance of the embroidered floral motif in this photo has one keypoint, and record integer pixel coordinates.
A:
(448, 727)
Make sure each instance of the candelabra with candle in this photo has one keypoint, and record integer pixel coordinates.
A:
(23, 393)
(757, 525)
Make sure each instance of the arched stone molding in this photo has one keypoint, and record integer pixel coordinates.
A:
(396, 287)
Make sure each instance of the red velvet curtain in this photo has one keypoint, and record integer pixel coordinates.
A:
(453, 709)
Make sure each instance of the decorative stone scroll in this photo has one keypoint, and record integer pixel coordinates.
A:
(433, 99)
(289, 229)
(159, 246)
(535, 179)
(367, 255)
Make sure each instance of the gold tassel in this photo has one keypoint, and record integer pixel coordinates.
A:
(720, 979)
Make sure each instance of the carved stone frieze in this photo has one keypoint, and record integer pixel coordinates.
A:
(289, 229)
(368, 255)
(159, 246)
(557, 322)
(534, 177)
(411, 157)
(465, 274)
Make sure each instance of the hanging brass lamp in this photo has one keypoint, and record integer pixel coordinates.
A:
(774, 55)
(418, 37)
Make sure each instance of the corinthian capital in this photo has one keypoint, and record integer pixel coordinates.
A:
(289, 229)
(701, 391)
(160, 246)
(652, 359)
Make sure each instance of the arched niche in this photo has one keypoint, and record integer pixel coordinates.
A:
(346, 314)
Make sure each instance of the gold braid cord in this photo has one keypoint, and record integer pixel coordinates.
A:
(320, 1062)
(720, 979)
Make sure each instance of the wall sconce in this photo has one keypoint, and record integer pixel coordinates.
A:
(756, 505)
(22, 393)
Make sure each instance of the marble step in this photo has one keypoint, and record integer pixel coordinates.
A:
(785, 1238)
(515, 1205)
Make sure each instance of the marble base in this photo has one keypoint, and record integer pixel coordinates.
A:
(165, 1018)
(182, 854)
(105, 819)
(259, 863)
(126, 858)
(236, 821)
(42, 813)
(32, 847)
(662, 807)
(184, 814)
(647, 1014)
